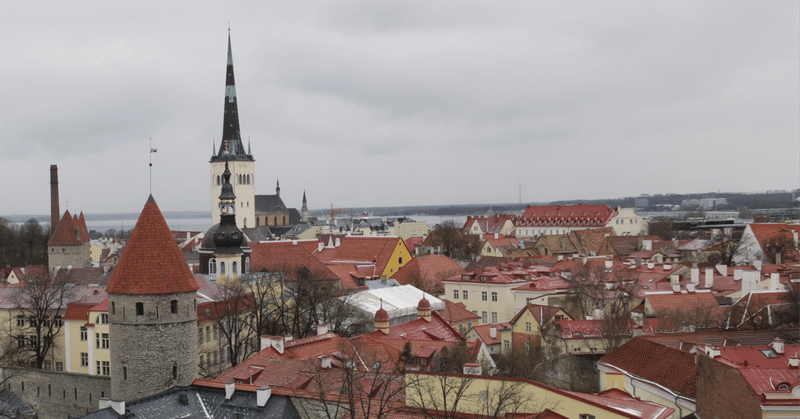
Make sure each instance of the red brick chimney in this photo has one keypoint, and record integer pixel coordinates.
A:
(55, 212)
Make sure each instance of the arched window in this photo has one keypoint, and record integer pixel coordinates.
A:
(222, 268)
(246, 265)
(258, 222)
(248, 179)
(233, 268)
(212, 266)
(284, 220)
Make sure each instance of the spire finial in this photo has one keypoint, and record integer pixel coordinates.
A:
(152, 150)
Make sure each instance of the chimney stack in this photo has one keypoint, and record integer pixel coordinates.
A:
(55, 212)
(322, 329)
(709, 277)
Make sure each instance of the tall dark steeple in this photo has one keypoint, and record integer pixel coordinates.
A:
(231, 150)
(231, 134)
(228, 235)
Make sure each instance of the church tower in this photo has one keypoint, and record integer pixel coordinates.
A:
(304, 209)
(224, 252)
(231, 149)
(152, 306)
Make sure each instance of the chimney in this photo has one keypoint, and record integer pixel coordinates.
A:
(777, 345)
(747, 283)
(651, 265)
(118, 406)
(722, 269)
(230, 387)
(647, 245)
(674, 279)
(320, 246)
(104, 403)
(712, 352)
(695, 275)
(636, 330)
(322, 329)
(609, 263)
(496, 235)
(737, 273)
(690, 287)
(55, 212)
(774, 281)
(676, 288)
(794, 238)
(325, 361)
(473, 368)
(493, 332)
(262, 395)
(709, 277)
(667, 266)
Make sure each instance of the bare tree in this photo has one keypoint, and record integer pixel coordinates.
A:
(455, 244)
(231, 312)
(40, 302)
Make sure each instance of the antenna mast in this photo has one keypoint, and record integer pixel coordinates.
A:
(152, 150)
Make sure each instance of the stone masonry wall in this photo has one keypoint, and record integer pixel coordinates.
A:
(57, 394)
(147, 350)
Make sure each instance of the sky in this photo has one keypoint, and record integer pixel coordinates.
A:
(391, 103)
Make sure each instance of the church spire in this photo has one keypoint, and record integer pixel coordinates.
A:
(231, 135)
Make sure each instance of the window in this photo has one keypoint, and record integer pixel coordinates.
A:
(101, 341)
(494, 296)
(212, 266)
(494, 317)
(173, 306)
(527, 347)
(47, 365)
(528, 327)
(174, 372)
(208, 333)
(484, 296)
(124, 373)
(222, 268)
(460, 328)
(113, 308)
(34, 341)
(506, 345)
(484, 317)
(20, 321)
(465, 295)
(234, 267)
(585, 416)
(559, 317)
(246, 265)
(103, 368)
(140, 309)
(84, 359)
(84, 333)
(59, 366)
(104, 318)
(455, 297)
(400, 260)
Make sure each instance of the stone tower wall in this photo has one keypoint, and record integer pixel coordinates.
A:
(78, 256)
(147, 349)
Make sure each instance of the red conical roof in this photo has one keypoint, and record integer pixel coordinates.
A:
(151, 262)
(66, 233)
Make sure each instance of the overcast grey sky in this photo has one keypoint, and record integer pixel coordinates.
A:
(365, 103)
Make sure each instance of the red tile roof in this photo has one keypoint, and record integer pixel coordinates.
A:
(457, 313)
(567, 215)
(488, 224)
(772, 307)
(542, 314)
(362, 249)
(280, 256)
(766, 232)
(671, 368)
(761, 371)
(66, 233)
(431, 269)
(152, 262)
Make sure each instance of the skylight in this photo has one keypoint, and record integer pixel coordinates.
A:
(769, 353)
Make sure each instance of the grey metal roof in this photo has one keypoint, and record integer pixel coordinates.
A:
(202, 402)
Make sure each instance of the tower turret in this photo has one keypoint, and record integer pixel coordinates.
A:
(152, 305)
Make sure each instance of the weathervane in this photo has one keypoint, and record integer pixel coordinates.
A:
(152, 150)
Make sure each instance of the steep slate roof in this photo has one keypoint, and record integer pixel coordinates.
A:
(269, 204)
(66, 233)
(671, 368)
(204, 400)
(152, 262)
